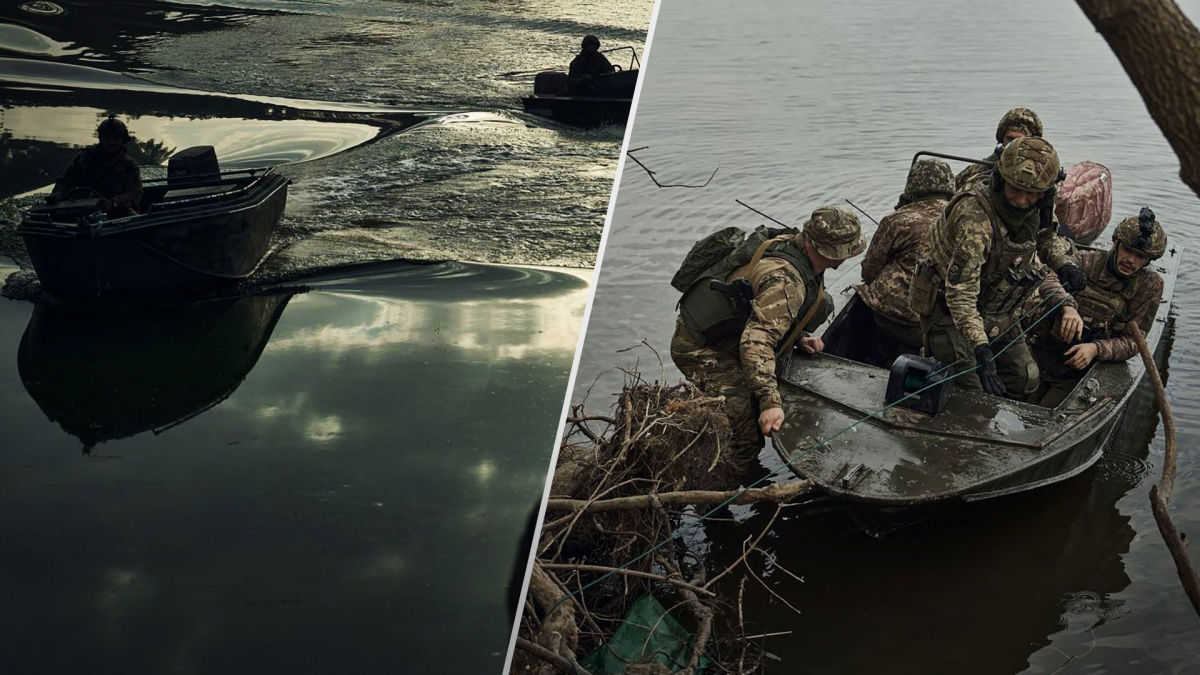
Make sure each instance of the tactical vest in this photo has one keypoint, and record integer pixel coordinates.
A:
(1010, 272)
(1104, 302)
(719, 319)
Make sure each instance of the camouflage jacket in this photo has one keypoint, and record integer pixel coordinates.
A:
(961, 244)
(1135, 299)
(114, 177)
(891, 259)
(1054, 249)
(778, 297)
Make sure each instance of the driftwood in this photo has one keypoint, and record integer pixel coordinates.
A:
(778, 493)
(622, 498)
(1160, 494)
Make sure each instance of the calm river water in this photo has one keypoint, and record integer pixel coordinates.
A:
(325, 481)
(802, 104)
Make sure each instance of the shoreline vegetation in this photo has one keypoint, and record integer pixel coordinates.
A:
(631, 494)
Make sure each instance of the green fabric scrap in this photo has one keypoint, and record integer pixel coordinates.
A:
(648, 634)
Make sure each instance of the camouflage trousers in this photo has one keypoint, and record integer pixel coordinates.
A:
(719, 373)
(1016, 365)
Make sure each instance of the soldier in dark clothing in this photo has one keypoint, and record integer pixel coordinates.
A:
(587, 64)
(104, 171)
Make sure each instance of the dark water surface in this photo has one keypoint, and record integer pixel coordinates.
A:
(802, 104)
(316, 482)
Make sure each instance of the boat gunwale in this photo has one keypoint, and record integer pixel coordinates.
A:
(252, 196)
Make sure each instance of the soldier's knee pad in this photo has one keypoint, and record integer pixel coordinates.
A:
(1033, 378)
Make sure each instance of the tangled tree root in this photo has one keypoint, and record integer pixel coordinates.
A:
(625, 488)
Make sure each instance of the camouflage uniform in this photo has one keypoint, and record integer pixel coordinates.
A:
(902, 239)
(744, 373)
(112, 176)
(1109, 305)
(1054, 249)
(985, 264)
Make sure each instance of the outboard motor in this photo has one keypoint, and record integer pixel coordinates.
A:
(190, 165)
(911, 374)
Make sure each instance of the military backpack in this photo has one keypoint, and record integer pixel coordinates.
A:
(717, 310)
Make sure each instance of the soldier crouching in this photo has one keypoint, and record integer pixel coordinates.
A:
(786, 279)
(1122, 291)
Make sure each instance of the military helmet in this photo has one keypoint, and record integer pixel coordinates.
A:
(1142, 233)
(113, 126)
(591, 40)
(835, 232)
(1029, 164)
(929, 177)
(1022, 119)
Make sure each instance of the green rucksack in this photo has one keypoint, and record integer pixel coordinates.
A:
(721, 252)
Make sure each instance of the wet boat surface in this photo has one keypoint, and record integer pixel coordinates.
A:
(841, 434)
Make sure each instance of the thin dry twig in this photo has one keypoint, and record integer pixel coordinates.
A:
(653, 174)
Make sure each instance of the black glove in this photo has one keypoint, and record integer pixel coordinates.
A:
(988, 376)
(1072, 278)
(1046, 209)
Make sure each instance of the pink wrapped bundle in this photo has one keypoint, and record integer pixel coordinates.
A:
(1084, 201)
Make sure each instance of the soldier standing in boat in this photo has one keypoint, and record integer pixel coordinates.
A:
(786, 278)
(1122, 291)
(983, 266)
(1055, 250)
(902, 239)
(104, 171)
(588, 63)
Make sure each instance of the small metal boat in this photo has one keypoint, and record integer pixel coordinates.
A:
(978, 447)
(603, 99)
(195, 231)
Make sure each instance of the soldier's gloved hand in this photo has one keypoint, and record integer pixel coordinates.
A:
(1072, 278)
(988, 377)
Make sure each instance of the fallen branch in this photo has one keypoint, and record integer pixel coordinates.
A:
(1160, 494)
(544, 654)
(778, 493)
(629, 573)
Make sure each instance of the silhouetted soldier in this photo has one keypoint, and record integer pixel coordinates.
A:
(104, 171)
(587, 64)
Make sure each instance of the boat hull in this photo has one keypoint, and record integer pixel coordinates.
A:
(175, 251)
(579, 110)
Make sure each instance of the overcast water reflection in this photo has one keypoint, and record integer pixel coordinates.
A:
(324, 481)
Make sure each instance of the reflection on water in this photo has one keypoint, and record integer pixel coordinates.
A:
(103, 377)
(339, 508)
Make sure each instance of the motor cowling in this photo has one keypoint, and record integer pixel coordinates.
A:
(192, 164)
